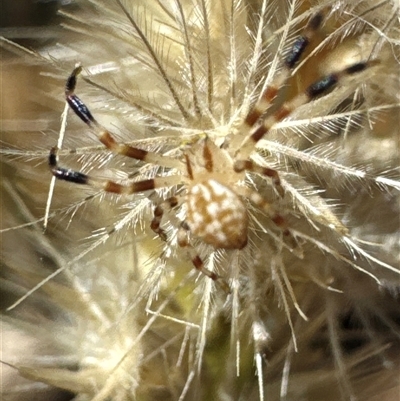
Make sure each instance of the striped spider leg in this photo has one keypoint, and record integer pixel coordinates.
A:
(213, 177)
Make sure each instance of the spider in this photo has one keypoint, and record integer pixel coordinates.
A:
(213, 176)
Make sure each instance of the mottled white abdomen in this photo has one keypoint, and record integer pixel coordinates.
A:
(217, 215)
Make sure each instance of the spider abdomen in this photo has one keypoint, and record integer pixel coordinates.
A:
(217, 215)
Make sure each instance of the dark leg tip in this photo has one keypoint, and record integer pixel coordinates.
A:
(53, 157)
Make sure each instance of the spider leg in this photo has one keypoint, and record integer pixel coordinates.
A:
(316, 89)
(292, 59)
(107, 185)
(184, 242)
(273, 214)
(241, 165)
(159, 211)
(105, 137)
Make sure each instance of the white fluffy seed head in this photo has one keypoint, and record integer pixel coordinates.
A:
(217, 215)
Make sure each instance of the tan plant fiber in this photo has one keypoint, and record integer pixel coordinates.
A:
(104, 308)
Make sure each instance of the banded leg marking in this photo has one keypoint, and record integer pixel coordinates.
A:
(159, 211)
(107, 185)
(273, 214)
(241, 165)
(184, 242)
(105, 137)
(292, 59)
(316, 89)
